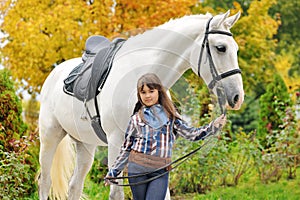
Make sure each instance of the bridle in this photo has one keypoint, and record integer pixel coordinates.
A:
(210, 136)
(215, 75)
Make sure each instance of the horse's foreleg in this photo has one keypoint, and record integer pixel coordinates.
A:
(168, 196)
(114, 145)
(85, 157)
(49, 140)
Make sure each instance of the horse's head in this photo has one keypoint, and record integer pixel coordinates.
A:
(217, 61)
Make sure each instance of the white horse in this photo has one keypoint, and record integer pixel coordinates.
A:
(168, 51)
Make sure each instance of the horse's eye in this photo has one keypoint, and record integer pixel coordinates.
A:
(221, 48)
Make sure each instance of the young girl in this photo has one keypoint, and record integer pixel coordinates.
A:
(150, 137)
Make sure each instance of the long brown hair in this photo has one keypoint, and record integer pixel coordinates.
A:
(153, 82)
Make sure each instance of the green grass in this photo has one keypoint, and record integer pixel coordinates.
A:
(283, 190)
(246, 190)
(96, 191)
(254, 190)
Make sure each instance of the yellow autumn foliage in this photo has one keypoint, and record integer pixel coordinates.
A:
(283, 64)
(44, 33)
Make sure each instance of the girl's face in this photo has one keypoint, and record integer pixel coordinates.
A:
(149, 96)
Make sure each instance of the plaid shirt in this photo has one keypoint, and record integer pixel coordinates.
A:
(143, 138)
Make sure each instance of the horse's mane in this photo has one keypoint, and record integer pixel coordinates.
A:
(187, 20)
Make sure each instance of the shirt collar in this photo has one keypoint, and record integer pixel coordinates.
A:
(155, 116)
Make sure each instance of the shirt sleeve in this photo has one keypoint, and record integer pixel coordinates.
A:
(192, 133)
(122, 159)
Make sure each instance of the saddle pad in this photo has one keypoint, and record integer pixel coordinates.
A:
(69, 81)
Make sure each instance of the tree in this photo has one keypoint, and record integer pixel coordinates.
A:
(287, 11)
(132, 17)
(288, 36)
(284, 64)
(255, 33)
(227, 4)
(42, 34)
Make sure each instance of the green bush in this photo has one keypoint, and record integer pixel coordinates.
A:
(12, 127)
(282, 156)
(273, 105)
(15, 178)
(278, 134)
(18, 146)
(222, 163)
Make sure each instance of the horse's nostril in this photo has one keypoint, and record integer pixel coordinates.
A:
(236, 99)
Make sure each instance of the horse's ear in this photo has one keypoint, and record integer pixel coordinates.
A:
(219, 19)
(230, 21)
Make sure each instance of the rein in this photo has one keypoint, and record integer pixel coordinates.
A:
(215, 75)
(179, 161)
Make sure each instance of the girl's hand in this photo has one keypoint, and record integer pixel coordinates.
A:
(108, 181)
(220, 121)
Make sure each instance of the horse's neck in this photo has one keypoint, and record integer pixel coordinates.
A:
(167, 46)
(181, 38)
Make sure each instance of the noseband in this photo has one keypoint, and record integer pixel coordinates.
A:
(215, 75)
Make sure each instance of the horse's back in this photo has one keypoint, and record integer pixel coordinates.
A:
(63, 110)
(57, 75)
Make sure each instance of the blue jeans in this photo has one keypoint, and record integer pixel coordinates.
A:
(153, 190)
